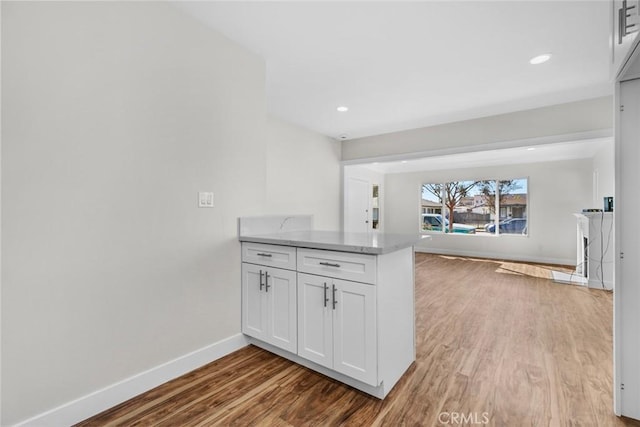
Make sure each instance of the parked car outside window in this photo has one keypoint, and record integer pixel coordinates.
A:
(433, 222)
(509, 226)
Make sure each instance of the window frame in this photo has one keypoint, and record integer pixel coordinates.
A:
(496, 219)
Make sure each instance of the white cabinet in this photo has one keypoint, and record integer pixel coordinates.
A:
(269, 255)
(341, 265)
(337, 325)
(624, 29)
(346, 315)
(354, 330)
(269, 305)
(254, 303)
(315, 319)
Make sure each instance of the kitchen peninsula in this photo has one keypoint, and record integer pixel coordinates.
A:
(339, 303)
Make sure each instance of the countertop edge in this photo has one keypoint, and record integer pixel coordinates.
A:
(327, 246)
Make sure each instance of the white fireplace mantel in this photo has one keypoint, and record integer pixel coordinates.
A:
(594, 260)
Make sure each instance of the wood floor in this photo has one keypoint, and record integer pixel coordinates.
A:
(498, 344)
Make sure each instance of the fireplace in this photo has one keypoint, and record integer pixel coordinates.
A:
(594, 254)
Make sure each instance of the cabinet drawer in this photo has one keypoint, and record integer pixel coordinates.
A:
(271, 255)
(341, 265)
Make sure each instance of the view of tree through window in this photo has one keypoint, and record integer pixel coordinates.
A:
(475, 207)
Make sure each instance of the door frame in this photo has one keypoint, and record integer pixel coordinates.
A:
(372, 178)
(630, 70)
(348, 197)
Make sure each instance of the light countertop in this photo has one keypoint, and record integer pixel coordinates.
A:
(365, 243)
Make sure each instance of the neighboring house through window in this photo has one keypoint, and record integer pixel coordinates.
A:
(470, 207)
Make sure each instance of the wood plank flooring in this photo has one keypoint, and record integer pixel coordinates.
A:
(498, 344)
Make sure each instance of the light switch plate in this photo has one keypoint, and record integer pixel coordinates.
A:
(205, 199)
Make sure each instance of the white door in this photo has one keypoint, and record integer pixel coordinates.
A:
(280, 292)
(628, 285)
(315, 337)
(254, 307)
(356, 210)
(354, 331)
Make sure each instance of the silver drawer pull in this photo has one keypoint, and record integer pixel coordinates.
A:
(328, 264)
(267, 255)
(326, 300)
(334, 296)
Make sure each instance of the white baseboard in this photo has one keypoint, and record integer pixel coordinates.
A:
(380, 391)
(114, 394)
(500, 256)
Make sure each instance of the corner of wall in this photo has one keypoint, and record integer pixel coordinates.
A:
(303, 173)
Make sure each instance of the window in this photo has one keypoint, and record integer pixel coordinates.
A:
(375, 207)
(475, 207)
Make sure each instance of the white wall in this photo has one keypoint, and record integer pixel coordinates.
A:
(303, 174)
(556, 190)
(576, 117)
(114, 116)
(604, 170)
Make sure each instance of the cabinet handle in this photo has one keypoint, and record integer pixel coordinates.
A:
(328, 264)
(625, 29)
(261, 284)
(334, 297)
(326, 300)
(267, 255)
(266, 281)
(622, 22)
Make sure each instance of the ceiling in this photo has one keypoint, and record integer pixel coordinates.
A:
(582, 149)
(402, 65)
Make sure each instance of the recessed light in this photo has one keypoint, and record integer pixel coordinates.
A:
(530, 148)
(540, 59)
(342, 108)
(343, 136)
(404, 161)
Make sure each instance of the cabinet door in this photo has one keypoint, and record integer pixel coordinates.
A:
(620, 48)
(627, 287)
(315, 340)
(280, 292)
(254, 304)
(354, 331)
